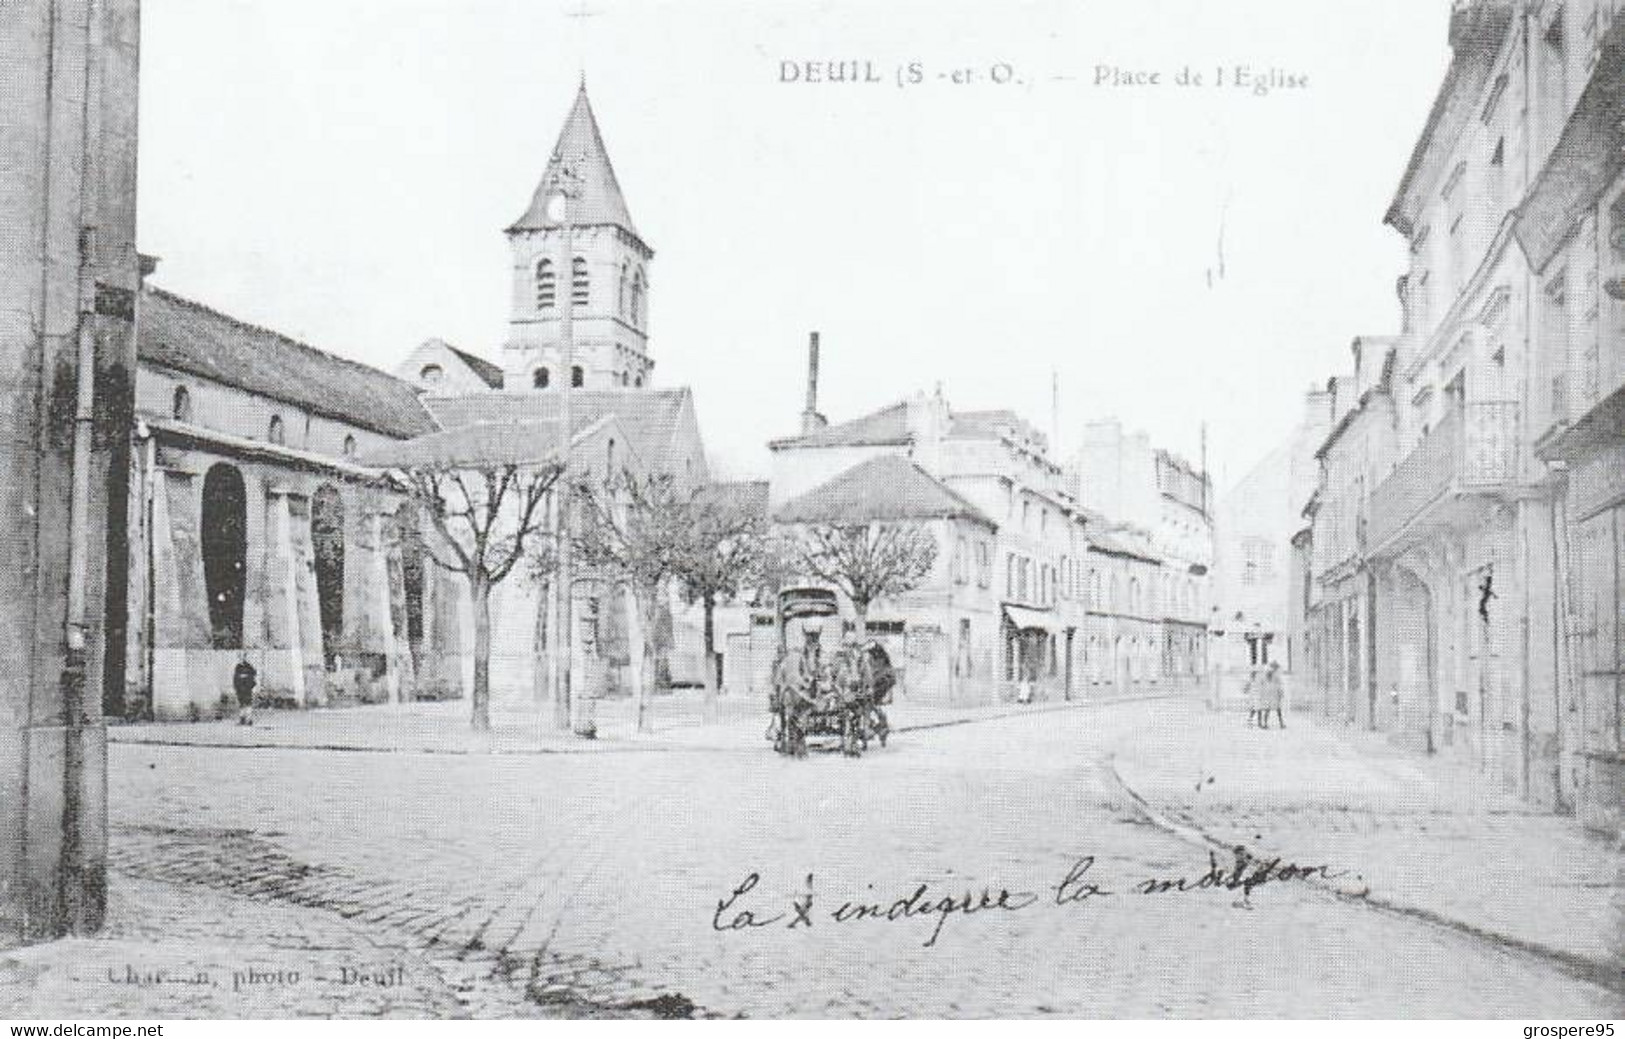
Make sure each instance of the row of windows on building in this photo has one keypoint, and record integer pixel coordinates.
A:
(1027, 580)
(276, 431)
(1257, 561)
(542, 378)
(1483, 189)
(630, 294)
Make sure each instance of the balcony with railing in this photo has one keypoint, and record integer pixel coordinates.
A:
(1472, 454)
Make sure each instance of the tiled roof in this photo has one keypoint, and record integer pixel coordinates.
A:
(188, 337)
(973, 424)
(883, 489)
(489, 373)
(481, 444)
(649, 417)
(745, 496)
(886, 427)
(581, 147)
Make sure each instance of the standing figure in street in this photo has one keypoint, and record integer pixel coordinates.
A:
(1253, 694)
(1272, 696)
(243, 680)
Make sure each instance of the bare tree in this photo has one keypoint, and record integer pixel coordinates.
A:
(729, 548)
(483, 518)
(637, 530)
(867, 561)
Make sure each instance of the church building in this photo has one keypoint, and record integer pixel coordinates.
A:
(584, 274)
(258, 534)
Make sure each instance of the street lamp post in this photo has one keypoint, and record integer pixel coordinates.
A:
(564, 187)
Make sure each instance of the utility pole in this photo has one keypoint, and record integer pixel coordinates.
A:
(561, 210)
(69, 283)
(1055, 412)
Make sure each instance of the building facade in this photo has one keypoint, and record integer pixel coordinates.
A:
(1003, 607)
(1158, 508)
(1047, 596)
(68, 282)
(1258, 593)
(255, 534)
(1571, 228)
(1461, 603)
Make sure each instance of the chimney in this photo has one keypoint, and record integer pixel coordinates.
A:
(811, 420)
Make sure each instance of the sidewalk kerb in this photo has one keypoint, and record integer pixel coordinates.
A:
(1599, 972)
(615, 746)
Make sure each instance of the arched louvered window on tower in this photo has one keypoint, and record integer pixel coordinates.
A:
(637, 298)
(624, 293)
(578, 282)
(546, 289)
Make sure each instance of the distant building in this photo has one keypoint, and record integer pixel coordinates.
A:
(1161, 502)
(1258, 593)
(1033, 586)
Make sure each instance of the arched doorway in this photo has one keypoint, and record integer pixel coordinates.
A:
(1408, 661)
(327, 546)
(223, 542)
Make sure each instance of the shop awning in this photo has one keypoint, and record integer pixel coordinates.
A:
(1024, 619)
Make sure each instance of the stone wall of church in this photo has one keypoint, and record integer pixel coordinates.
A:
(236, 412)
(235, 547)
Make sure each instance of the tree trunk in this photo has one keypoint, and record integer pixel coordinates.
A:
(539, 646)
(480, 593)
(862, 621)
(642, 654)
(711, 678)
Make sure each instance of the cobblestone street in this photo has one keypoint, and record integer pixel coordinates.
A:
(504, 885)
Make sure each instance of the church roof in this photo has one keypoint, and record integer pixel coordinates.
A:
(188, 337)
(581, 147)
(653, 419)
(743, 496)
(488, 373)
(883, 489)
(481, 444)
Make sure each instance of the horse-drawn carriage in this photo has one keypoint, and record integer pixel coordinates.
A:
(841, 694)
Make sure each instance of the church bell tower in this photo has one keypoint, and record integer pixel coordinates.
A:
(605, 281)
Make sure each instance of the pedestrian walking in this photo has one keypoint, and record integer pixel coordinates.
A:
(1273, 696)
(243, 680)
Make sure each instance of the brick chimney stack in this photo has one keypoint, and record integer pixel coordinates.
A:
(811, 420)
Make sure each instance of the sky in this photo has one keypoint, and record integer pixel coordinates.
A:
(1170, 254)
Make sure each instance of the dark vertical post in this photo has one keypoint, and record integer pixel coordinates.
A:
(69, 277)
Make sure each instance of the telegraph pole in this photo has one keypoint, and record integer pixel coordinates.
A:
(561, 210)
